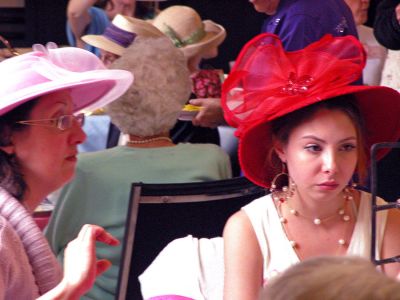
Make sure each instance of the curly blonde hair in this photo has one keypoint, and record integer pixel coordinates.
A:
(161, 87)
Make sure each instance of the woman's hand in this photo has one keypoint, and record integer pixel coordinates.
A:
(81, 266)
(210, 114)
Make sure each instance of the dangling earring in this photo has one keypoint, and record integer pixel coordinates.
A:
(282, 179)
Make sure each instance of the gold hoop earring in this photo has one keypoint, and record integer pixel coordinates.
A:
(282, 180)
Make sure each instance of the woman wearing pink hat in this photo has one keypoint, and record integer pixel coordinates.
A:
(40, 127)
(304, 132)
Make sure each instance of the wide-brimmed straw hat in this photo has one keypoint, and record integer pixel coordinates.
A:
(267, 83)
(41, 72)
(183, 25)
(120, 33)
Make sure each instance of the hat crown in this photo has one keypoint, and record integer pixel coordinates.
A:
(183, 20)
(267, 82)
(123, 23)
(46, 70)
(44, 66)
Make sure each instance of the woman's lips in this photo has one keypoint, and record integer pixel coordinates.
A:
(328, 185)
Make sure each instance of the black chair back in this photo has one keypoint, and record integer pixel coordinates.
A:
(160, 213)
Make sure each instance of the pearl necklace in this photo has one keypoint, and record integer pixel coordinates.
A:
(145, 141)
(317, 220)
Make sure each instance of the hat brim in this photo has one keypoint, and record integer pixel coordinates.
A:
(101, 42)
(215, 35)
(379, 107)
(140, 27)
(89, 90)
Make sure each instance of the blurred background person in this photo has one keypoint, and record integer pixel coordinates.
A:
(92, 17)
(387, 24)
(387, 32)
(376, 53)
(119, 34)
(332, 278)
(299, 23)
(198, 40)
(145, 114)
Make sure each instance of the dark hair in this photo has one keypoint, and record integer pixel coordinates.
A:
(11, 177)
(282, 127)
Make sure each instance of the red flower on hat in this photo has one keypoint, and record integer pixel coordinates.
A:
(267, 82)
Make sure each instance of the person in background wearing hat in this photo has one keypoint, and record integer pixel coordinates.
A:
(146, 113)
(41, 94)
(92, 17)
(198, 40)
(304, 131)
(119, 34)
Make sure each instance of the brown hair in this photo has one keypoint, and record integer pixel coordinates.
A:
(282, 127)
(11, 177)
(332, 278)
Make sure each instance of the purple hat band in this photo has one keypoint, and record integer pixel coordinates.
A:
(121, 37)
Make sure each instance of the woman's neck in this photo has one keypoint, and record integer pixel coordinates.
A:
(31, 199)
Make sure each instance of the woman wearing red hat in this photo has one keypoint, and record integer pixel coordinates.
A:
(304, 132)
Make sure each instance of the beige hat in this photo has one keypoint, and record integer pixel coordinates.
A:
(183, 25)
(121, 33)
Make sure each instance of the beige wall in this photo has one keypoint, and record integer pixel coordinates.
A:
(12, 3)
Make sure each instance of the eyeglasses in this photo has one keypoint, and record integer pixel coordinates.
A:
(62, 122)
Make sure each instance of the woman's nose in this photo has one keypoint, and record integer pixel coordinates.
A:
(78, 136)
(329, 164)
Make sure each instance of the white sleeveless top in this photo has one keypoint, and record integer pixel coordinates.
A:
(278, 254)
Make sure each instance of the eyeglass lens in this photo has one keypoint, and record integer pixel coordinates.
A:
(66, 122)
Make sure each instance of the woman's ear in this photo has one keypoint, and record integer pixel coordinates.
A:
(280, 151)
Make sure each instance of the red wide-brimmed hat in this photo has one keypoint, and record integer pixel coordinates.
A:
(267, 82)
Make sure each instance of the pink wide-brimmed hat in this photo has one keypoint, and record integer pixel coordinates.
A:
(46, 70)
(267, 83)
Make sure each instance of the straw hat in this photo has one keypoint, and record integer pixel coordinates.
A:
(267, 83)
(31, 75)
(121, 33)
(183, 25)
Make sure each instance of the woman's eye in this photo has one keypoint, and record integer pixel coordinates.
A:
(348, 147)
(313, 148)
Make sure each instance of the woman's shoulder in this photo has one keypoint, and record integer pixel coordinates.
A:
(259, 203)
(202, 149)
(9, 240)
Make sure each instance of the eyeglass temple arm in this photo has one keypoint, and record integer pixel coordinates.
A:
(9, 47)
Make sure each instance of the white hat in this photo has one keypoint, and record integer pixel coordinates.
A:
(183, 25)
